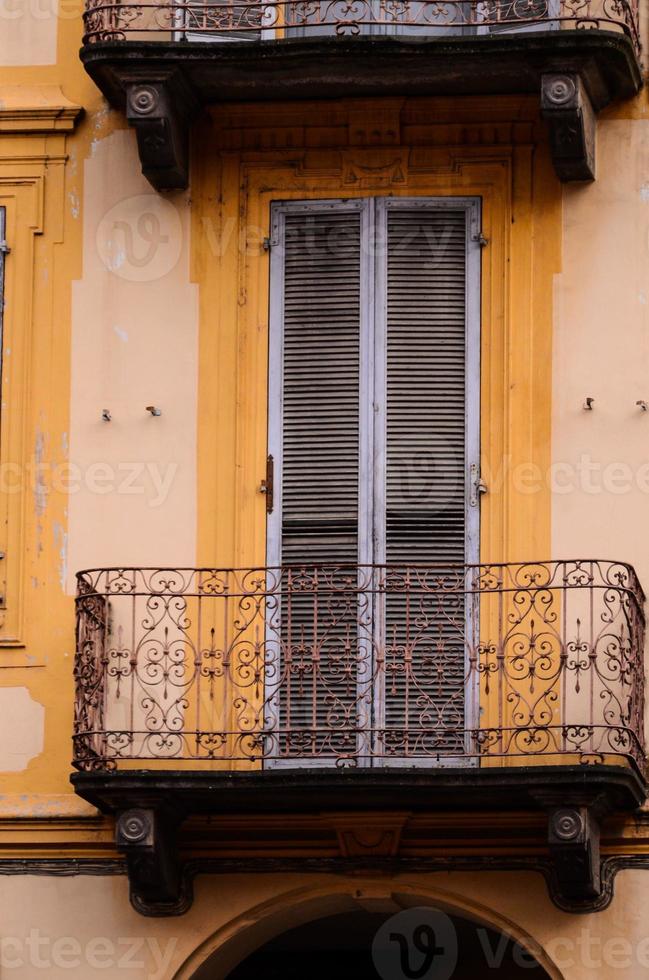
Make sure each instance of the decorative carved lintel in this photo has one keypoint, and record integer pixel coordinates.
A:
(567, 108)
(147, 839)
(161, 111)
(367, 834)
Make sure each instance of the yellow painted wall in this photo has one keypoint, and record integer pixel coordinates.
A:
(356, 149)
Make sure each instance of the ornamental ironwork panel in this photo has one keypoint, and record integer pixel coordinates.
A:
(195, 20)
(297, 666)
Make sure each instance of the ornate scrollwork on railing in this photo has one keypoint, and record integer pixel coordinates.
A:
(278, 19)
(332, 665)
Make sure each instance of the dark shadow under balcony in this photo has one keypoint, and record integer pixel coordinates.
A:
(306, 688)
(162, 61)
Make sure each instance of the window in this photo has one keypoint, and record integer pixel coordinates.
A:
(374, 432)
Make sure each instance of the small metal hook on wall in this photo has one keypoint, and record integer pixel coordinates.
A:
(588, 404)
(642, 404)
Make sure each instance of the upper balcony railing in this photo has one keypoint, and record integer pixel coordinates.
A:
(355, 666)
(282, 19)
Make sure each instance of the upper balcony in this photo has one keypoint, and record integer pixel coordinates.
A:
(489, 688)
(163, 60)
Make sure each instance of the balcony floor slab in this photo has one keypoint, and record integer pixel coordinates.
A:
(177, 78)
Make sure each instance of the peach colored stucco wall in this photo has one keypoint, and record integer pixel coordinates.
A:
(94, 916)
(601, 350)
(600, 500)
(134, 344)
(28, 31)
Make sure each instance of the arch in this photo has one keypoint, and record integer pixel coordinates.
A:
(248, 931)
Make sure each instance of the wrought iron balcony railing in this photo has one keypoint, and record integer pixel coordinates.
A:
(281, 19)
(337, 666)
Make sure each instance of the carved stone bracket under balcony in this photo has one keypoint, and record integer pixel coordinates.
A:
(567, 108)
(161, 110)
(575, 817)
(573, 837)
(147, 837)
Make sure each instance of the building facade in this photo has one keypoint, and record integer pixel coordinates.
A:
(324, 461)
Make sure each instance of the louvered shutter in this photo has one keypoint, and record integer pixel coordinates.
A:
(319, 478)
(374, 377)
(425, 478)
(320, 431)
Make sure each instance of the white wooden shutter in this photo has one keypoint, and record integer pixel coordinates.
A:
(425, 404)
(316, 445)
(425, 476)
(321, 375)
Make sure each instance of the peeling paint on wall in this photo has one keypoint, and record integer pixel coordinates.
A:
(40, 488)
(22, 728)
(61, 544)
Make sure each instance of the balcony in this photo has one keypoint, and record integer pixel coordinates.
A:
(162, 61)
(476, 688)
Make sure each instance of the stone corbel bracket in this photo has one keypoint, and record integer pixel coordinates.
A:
(147, 838)
(161, 111)
(574, 828)
(573, 839)
(567, 108)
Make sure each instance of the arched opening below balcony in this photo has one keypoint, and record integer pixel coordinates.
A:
(418, 943)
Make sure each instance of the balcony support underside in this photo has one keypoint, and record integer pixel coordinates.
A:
(163, 85)
(572, 800)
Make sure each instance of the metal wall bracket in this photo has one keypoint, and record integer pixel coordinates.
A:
(477, 485)
(161, 111)
(147, 838)
(568, 110)
(268, 484)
